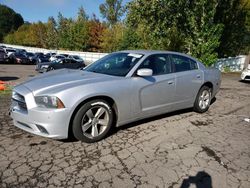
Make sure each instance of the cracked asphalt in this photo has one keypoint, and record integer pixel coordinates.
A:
(181, 149)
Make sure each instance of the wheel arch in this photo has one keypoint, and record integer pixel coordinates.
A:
(208, 84)
(108, 99)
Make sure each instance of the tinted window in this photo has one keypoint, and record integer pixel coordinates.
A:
(182, 63)
(160, 64)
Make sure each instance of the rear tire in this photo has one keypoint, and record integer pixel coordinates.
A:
(203, 99)
(92, 121)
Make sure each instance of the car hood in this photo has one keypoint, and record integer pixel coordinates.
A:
(63, 79)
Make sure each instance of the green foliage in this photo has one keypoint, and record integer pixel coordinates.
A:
(112, 37)
(112, 10)
(184, 26)
(51, 39)
(235, 16)
(9, 21)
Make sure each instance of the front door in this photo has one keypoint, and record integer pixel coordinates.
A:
(155, 93)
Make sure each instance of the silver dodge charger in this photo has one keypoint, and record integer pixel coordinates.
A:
(120, 88)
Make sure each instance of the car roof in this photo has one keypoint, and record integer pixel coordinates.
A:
(151, 52)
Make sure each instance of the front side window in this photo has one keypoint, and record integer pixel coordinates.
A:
(159, 63)
(182, 63)
(116, 64)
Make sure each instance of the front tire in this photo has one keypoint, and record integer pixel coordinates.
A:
(92, 121)
(203, 99)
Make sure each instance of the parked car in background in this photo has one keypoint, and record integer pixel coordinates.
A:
(21, 51)
(50, 54)
(65, 63)
(76, 58)
(9, 51)
(40, 57)
(43, 66)
(65, 55)
(54, 57)
(245, 75)
(3, 55)
(119, 88)
(31, 57)
(18, 58)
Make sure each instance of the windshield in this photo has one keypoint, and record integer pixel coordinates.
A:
(116, 64)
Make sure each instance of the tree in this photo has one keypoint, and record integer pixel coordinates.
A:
(112, 10)
(185, 26)
(202, 33)
(80, 31)
(9, 21)
(112, 37)
(96, 29)
(64, 29)
(51, 39)
(233, 14)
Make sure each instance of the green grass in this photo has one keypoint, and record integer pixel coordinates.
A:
(7, 91)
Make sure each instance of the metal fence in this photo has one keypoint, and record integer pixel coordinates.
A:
(86, 56)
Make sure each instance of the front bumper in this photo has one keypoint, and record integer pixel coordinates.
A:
(245, 75)
(51, 123)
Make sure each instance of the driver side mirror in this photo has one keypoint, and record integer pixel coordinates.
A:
(145, 72)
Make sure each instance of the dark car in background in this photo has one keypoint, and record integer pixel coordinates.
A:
(21, 51)
(31, 56)
(40, 57)
(19, 58)
(65, 55)
(3, 55)
(43, 66)
(76, 58)
(50, 54)
(9, 51)
(66, 63)
(55, 57)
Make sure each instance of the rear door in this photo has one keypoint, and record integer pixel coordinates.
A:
(188, 81)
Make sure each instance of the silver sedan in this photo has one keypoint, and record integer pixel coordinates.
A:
(120, 88)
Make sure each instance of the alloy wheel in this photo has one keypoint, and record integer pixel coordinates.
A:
(204, 99)
(95, 121)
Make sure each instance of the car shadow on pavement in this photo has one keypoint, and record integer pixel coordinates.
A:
(8, 78)
(146, 120)
(245, 81)
(114, 130)
(201, 180)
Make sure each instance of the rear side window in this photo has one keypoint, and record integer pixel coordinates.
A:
(182, 63)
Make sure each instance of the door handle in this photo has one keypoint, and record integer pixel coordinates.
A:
(198, 76)
(170, 82)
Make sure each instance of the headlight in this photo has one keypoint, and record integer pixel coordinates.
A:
(49, 102)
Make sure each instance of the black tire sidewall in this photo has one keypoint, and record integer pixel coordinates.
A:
(196, 104)
(76, 126)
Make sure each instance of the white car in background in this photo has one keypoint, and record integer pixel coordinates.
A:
(245, 75)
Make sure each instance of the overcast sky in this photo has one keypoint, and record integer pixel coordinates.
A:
(40, 10)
